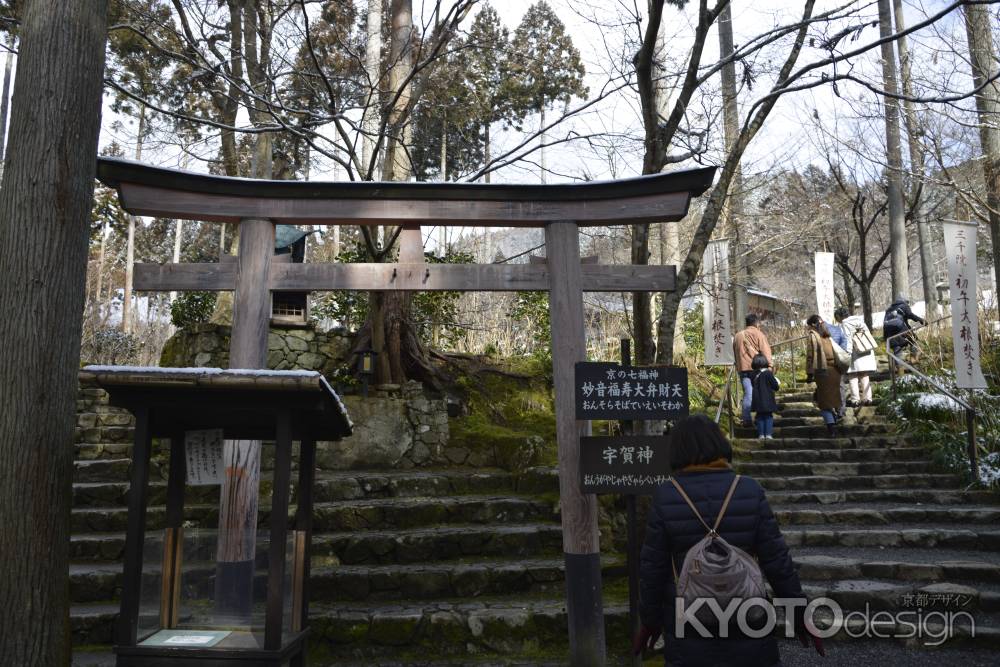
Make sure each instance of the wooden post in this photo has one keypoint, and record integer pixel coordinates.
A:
(579, 511)
(135, 535)
(279, 533)
(303, 530)
(240, 488)
(173, 539)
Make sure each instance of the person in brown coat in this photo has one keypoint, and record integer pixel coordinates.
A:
(821, 367)
(747, 344)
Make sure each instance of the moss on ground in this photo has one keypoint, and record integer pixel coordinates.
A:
(509, 413)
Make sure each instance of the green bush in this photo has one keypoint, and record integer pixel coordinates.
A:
(191, 308)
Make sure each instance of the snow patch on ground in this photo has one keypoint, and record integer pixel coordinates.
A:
(938, 402)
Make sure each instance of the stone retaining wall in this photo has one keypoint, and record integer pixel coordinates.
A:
(395, 427)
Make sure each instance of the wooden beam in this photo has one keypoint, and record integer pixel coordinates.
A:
(581, 540)
(167, 203)
(414, 277)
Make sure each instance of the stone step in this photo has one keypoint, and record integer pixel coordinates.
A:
(102, 434)
(766, 470)
(104, 415)
(797, 410)
(454, 629)
(101, 470)
(893, 535)
(87, 451)
(422, 545)
(899, 565)
(95, 582)
(329, 486)
(915, 496)
(445, 579)
(102, 581)
(415, 512)
(819, 431)
(842, 442)
(871, 516)
(93, 624)
(849, 454)
(835, 483)
(97, 547)
(892, 595)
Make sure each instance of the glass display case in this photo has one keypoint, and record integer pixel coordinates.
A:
(213, 587)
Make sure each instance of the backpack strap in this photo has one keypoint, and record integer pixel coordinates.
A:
(725, 503)
(712, 530)
(694, 509)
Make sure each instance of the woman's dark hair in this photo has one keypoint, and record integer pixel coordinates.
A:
(697, 440)
(817, 323)
(841, 313)
(759, 362)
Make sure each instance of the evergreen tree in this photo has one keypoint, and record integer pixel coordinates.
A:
(545, 66)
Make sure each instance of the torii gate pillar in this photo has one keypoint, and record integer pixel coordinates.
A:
(581, 544)
(241, 458)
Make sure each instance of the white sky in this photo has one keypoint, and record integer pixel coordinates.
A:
(787, 140)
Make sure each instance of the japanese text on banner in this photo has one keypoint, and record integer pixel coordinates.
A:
(718, 321)
(825, 299)
(960, 247)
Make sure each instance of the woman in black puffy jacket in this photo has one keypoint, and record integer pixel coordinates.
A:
(700, 456)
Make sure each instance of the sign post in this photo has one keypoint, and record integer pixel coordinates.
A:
(628, 464)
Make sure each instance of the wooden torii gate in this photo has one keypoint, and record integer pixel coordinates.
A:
(561, 209)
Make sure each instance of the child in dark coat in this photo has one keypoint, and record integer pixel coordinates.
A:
(764, 404)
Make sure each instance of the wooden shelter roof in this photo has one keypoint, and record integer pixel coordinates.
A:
(243, 402)
(149, 190)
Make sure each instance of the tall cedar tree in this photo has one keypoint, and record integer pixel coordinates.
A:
(45, 204)
(546, 68)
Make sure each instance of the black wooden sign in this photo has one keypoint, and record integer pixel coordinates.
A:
(612, 391)
(631, 464)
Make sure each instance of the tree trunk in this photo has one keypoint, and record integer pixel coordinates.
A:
(487, 150)
(541, 143)
(734, 202)
(894, 159)
(984, 67)
(5, 101)
(918, 176)
(44, 212)
(127, 315)
(670, 253)
(400, 354)
(642, 318)
(866, 302)
(178, 232)
(373, 70)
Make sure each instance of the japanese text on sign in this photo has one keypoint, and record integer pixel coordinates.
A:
(825, 299)
(610, 391)
(625, 464)
(718, 324)
(960, 246)
(204, 457)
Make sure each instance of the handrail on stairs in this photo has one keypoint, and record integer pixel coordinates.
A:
(970, 409)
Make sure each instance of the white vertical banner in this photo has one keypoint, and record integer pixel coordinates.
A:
(825, 299)
(718, 318)
(960, 247)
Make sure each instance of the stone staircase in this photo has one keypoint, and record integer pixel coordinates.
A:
(464, 566)
(872, 522)
(453, 564)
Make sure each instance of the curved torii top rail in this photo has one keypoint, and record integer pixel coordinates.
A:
(172, 193)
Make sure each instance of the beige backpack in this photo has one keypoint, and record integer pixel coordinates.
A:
(714, 568)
